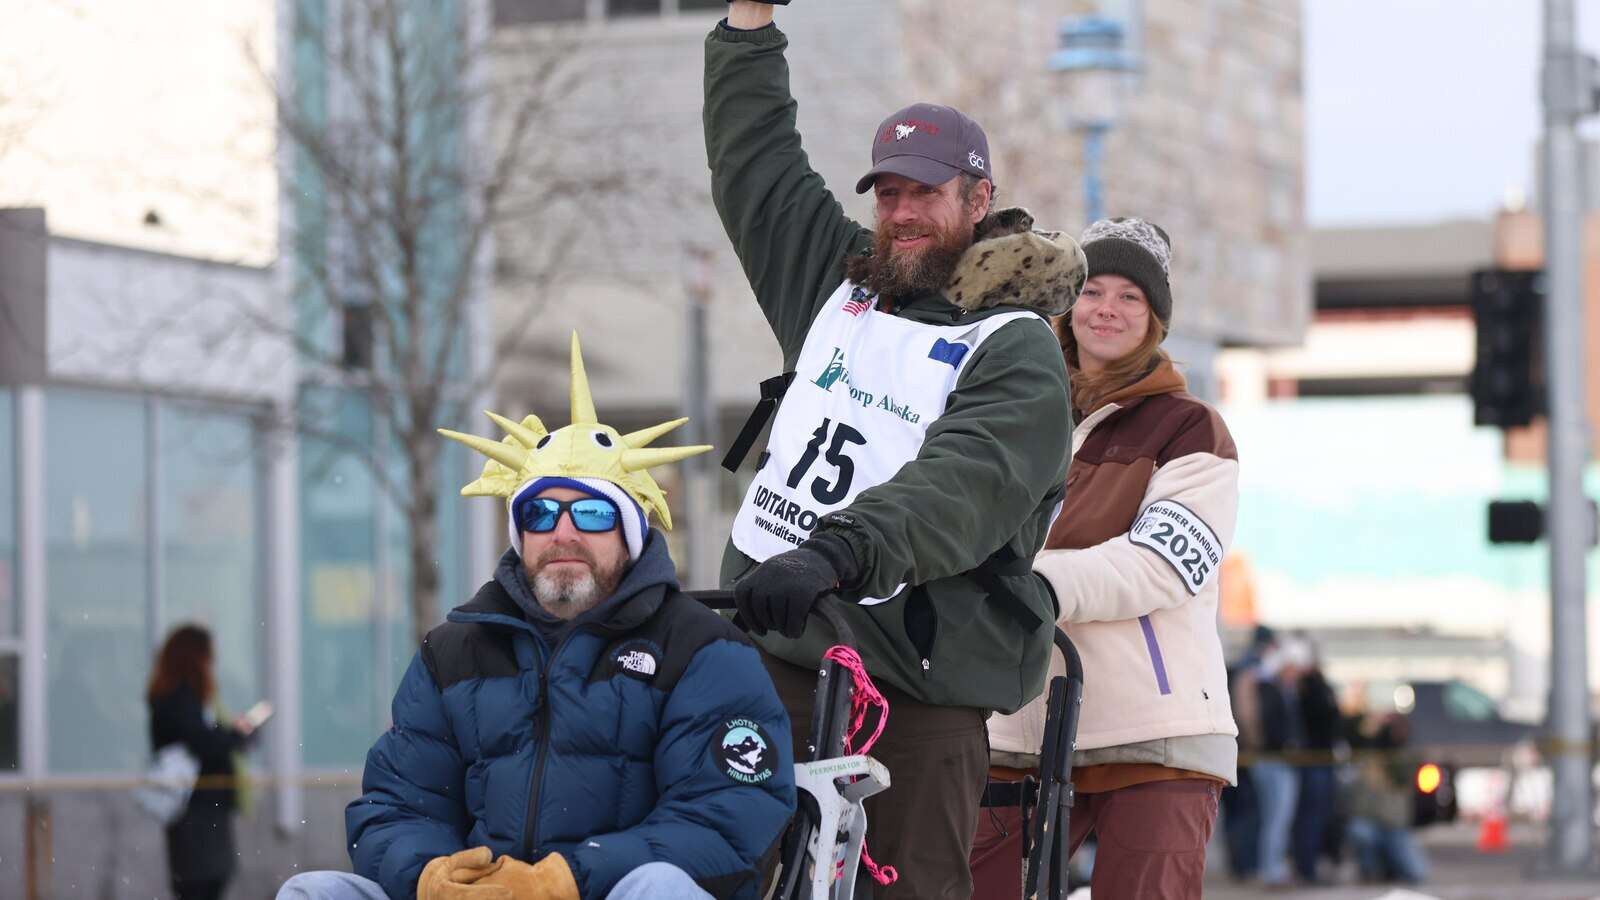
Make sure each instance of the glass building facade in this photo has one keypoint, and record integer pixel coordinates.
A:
(356, 635)
(155, 516)
(152, 519)
(151, 514)
(129, 508)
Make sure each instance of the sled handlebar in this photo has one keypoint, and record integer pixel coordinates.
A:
(827, 609)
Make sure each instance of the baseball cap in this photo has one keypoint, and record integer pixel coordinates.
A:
(927, 143)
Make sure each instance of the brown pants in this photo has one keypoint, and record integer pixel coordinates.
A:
(938, 759)
(1152, 841)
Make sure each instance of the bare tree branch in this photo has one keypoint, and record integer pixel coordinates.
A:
(394, 211)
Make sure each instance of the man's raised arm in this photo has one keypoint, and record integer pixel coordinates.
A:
(789, 232)
(748, 15)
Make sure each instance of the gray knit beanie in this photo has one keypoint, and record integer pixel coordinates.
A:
(1138, 251)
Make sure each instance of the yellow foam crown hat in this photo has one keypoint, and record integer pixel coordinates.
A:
(583, 449)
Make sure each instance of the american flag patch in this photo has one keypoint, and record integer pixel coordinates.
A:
(860, 301)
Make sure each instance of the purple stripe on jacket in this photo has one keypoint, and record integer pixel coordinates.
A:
(1155, 654)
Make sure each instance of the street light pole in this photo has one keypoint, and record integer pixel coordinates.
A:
(1096, 70)
(1094, 144)
(701, 566)
(1568, 96)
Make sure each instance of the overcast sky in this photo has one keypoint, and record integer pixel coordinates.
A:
(1419, 110)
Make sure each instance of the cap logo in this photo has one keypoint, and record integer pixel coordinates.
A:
(975, 161)
(902, 130)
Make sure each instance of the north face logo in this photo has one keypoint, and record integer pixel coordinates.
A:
(638, 661)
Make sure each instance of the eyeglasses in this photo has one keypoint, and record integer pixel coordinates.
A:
(590, 514)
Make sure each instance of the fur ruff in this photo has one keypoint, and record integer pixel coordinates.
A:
(1010, 263)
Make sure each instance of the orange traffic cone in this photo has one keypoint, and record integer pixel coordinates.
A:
(1492, 833)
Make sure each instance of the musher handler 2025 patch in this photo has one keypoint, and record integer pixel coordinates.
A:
(1181, 538)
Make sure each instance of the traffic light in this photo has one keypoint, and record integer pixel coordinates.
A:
(1522, 522)
(1515, 521)
(1508, 374)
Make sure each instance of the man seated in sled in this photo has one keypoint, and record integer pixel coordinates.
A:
(580, 728)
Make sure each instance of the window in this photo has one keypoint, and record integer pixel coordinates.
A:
(523, 12)
(356, 333)
(619, 8)
(209, 541)
(1467, 703)
(8, 518)
(10, 686)
(397, 643)
(101, 552)
(338, 555)
(97, 576)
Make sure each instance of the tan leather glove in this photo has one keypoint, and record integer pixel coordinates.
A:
(442, 873)
(548, 879)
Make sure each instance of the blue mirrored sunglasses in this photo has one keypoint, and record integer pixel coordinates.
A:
(590, 514)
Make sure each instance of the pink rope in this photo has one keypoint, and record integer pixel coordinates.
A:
(864, 696)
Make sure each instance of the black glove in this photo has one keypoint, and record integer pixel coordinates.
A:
(780, 592)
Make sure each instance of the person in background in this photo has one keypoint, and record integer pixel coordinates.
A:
(1241, 813)
(1323, 727)
(1149, 508)
(1381, 803)
(1276, 780)
(182, 693)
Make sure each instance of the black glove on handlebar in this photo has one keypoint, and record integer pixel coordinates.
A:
(779, 593)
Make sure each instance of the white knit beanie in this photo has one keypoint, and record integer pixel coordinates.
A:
(634, 524)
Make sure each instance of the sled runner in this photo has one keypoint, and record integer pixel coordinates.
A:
(1045, 799)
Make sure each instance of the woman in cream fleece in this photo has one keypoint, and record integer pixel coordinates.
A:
(1133, 557)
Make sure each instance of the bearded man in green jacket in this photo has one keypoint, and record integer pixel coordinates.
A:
(919, 451)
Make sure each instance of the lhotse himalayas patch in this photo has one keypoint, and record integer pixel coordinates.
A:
(744, 751)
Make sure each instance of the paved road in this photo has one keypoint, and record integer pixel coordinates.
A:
(1460, 872)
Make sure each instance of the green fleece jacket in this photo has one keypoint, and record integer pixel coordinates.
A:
(986, 479)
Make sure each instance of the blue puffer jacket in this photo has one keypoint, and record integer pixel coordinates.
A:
(649, 732)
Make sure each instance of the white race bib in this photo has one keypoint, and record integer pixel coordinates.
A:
(867, 386)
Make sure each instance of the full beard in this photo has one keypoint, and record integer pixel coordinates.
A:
(903, 273)
(568, 596)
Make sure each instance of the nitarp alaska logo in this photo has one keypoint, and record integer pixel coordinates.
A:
(744, 751)
(834, 373)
